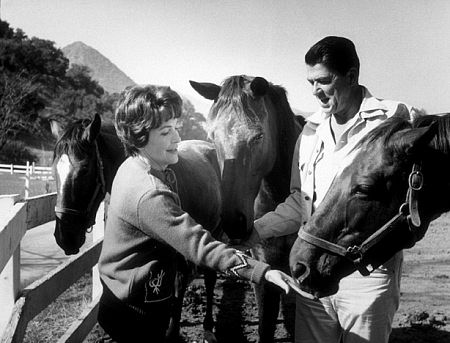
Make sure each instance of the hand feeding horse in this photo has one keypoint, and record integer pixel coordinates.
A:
(254, 131)
(393, 185)
(86, 158)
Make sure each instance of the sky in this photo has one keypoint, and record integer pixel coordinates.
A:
(403, 45)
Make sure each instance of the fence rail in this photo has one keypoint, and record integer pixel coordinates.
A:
(31, 172)
(20, 306)
(30, 168)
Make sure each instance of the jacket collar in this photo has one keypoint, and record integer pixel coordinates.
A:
(370, 107)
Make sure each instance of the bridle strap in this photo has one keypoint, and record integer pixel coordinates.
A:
(322, 243)
(65, 210)
(409, 210)
(100, 189)
(415, 182)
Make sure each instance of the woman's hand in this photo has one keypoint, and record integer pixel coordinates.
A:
(278, 278)
(286, 283)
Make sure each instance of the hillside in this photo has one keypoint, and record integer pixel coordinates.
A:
(108, 75)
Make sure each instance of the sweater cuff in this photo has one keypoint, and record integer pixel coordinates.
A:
(259, 271)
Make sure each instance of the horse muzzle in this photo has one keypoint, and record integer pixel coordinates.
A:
(68, 237)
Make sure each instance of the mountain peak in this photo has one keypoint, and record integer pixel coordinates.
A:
(108, 75)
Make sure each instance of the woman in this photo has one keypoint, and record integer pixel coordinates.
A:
(147, 229)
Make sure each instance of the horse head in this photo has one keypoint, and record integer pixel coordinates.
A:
(246, 126)
(80, 182)
(392, 186)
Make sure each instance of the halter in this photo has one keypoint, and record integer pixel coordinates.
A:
(100, 191)
(408, 210)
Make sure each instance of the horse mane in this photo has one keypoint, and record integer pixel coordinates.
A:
(442, 140)
(384, 132)
(71, 141)
(289, 125)
(232, 98)
(396, 123)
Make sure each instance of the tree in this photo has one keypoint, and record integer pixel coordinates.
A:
(31, 72)
(17, 95)
(192, 123)
(80, 97)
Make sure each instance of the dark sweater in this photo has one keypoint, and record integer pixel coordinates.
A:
(145, 229)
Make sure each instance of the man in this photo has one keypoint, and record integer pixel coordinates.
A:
(363, 308)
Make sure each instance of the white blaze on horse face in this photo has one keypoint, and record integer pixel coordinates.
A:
(63, 170)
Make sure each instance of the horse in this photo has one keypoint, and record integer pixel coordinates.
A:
(388, 190)
(86, 157)
(254, 131)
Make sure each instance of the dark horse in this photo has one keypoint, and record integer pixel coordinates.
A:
(86, 158)
(393, 185)
(254, 131)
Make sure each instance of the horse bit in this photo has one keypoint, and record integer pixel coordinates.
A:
(100, 190)
(409, 210)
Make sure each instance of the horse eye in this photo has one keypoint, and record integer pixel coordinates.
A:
(362, 190)
(256, 139)
(83, 171)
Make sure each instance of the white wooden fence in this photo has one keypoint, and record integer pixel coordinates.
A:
(31, 172)
(20, 306)
(30, 168)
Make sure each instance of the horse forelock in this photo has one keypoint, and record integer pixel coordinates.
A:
(442, 139)
(232, 104)
(71, 142)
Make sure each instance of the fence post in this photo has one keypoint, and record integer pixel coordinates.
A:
(27, 180)
(10, 275)
(12, 169)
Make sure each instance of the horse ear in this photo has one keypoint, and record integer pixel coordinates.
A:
(259, 86)
(403, 112)
(416, 140)
(207, 90)
(92, 130)
(56, 128)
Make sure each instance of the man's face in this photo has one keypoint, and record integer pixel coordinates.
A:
(332, 90)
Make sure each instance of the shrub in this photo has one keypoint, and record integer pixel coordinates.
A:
(16, 152)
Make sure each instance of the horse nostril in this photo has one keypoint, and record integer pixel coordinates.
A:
(242, 219)
(300, 271)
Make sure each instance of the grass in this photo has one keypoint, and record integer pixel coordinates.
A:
(15, 184)
(55, 320)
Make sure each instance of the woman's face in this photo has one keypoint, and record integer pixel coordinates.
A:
(162, 145)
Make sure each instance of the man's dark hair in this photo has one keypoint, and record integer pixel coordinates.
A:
(336, 53)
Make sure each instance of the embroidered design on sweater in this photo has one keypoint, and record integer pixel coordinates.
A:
(154, 283)
(243, 264)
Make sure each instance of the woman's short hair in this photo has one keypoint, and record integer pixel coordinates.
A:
(338, 54)
(142, 108)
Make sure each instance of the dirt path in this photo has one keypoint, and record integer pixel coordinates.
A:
(424, 313)
(423, 316)
(39, 253)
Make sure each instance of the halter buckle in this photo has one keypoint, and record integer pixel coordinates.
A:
(415, 180)
(404, 209)
(354, 252)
